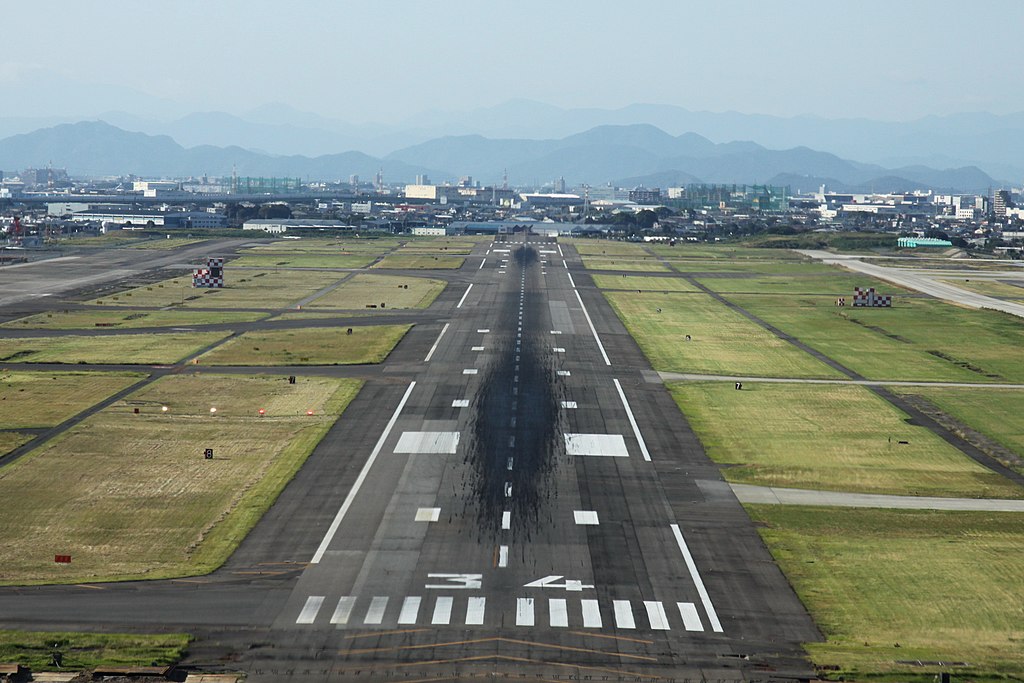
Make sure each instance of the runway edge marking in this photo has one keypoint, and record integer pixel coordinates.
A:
(360, 479)
(716, 625)
(590, 322)
(434, 347)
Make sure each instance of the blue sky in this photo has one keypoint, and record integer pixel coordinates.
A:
(388, 60)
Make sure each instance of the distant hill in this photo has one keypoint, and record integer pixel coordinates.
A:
(97, 148)
(625, 155)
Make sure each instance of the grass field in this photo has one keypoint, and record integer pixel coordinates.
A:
(609, 248)
(390, 290)
(419, 262)
(887, 586)
(916, 339)
(996, 413)
(645, 264)
(121, 319)
(35, 649)
(135, 497)
(343, 246)
(1000, 290)
(265, 289)
(647, 284)
(749, 267)
(303, 261)
(44, 399)
(127, 349)
(828, 437)
(834, 284)
(308, 346)
(722, 341)
(727, 252)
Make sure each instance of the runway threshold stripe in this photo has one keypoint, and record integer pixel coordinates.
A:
(593, 330)
(623, 614)
(438, 341)
(524, 611)
(361, 478)
(410, 610)
(375, 614)
(591, 614)
(343, 610)
(716, 625)
(475, 611)
(691, 619)
(442, 611)
(558, 615)
(463, 299)
(632, 422)
(310, 609)
(656, 615)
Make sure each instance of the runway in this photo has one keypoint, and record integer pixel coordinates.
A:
(510, 497)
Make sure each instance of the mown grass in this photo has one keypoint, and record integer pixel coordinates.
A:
(729, 252)
(751, 267)
(121, 319)
(996, 413)
(394, 291)
(1000, 290)
(837, 283)
(646, 284)
(891, 586)
(645, 264)
(43, 399)
(308, 346)
(722, 341)
(35, 649)
(608, 248)
(916, 339)
(264, 289)
(135, 498)
(340, 246)
(828, 437)
(396, 261)
(304, 261)
(128, 349)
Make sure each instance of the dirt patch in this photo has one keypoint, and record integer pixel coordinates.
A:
(963, 364)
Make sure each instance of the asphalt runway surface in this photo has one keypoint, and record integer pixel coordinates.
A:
(507, 497)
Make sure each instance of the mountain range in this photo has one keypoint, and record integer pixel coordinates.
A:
(625, 155)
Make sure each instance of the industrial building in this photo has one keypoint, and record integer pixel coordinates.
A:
(278, 226)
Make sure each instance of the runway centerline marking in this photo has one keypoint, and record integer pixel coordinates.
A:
(632, 422)
(463, 299)
(438, 341)
(506, 520)
(593, 330)
(716, 625)
(361, 478)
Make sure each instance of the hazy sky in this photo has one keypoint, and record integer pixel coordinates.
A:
(388, 60)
